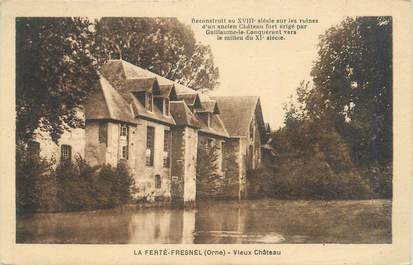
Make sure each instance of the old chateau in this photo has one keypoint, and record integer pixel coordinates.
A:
(158, 127)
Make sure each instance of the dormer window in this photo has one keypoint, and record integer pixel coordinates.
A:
(206, 118)
(166, 107)
(146, 99)
(149, 101)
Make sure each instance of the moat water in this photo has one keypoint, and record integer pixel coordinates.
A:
(261, 221)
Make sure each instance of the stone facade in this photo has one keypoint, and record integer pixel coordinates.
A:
(184, 150)
(210, 142)
(232, 166)
(158, 127)
(152, 179)
(53, 152)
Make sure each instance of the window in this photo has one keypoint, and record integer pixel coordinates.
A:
(206, 118)
(209, 143)
(166, 109)
(124, 130)
(150, 145)
(125, 152)
(33, 149)
(66, 153)
(158, 182)
(103, 133)
(149, 101)
(141, 96)
(124, 141)
(252, 130)
(166, 146)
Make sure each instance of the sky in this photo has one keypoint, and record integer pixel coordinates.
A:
(269, 69)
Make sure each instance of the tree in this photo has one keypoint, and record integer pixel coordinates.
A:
(353, 85)
(55, 72)
(162, 45)
(337, 138)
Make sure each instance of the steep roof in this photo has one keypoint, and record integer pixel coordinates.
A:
(183, 115)
(168, 91)
(217, 127)
(108, 104)
(231, 115)
(129, 79)
(141, 84)
(140, 110)
(237, 113)
(190, 99)
(210, 106)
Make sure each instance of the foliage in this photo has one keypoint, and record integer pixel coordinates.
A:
(35, 182)
(82, 187)
(71, 186)
(51, 55)
(337, 138)
(162, 45)
(353, 86)
(76, 185)
(210, 182)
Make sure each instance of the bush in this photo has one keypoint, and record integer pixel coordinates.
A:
(76, 185)
(82, 187)
(35, 182)
(72, 186)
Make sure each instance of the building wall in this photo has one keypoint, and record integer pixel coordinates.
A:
(232, 166)
(52, 151)
(178, 164)
(191, 147)
(217, 187)
(145, 175)
(245, 143)
(184, 155)
(109, 152)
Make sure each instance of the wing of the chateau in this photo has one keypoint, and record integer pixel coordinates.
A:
(157, 127)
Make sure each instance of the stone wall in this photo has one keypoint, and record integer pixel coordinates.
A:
(145, 175)
(244, 145)
(232, 166)
(208, 186)
(191, 147)
(178, 164)
(184, 154)
(52, 151)
(97, 153)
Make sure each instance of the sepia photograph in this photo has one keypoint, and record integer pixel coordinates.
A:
(169, 130)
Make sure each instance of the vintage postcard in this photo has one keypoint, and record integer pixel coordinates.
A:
(206, 132)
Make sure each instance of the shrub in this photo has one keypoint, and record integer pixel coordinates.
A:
(35, 182)
(82, 187)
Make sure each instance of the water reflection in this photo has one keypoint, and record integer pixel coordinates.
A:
(162, 226)
(218, 223)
